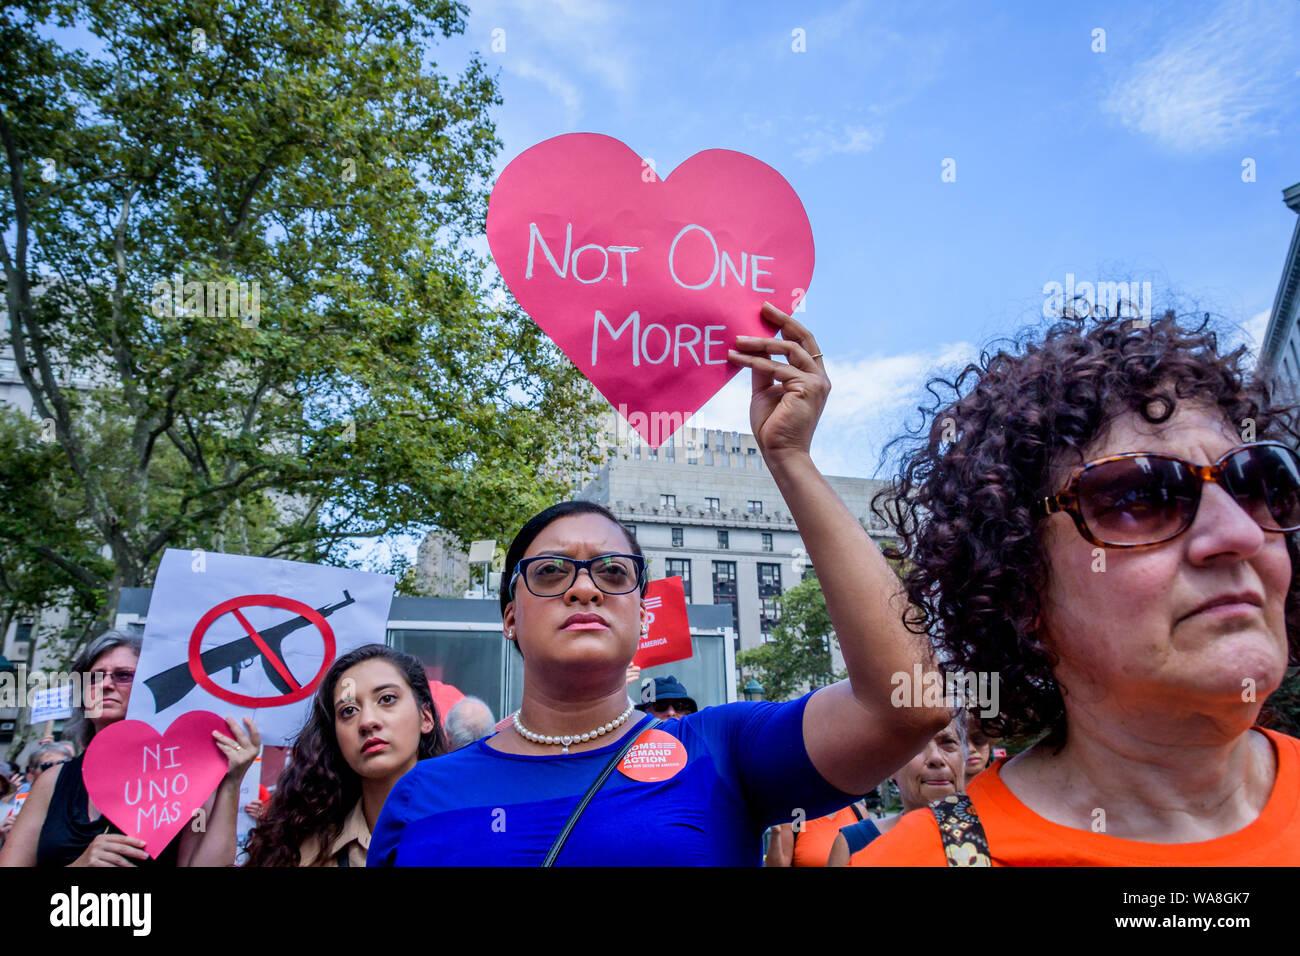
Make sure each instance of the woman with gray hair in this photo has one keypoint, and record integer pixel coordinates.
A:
(935, 773)
(59, 826)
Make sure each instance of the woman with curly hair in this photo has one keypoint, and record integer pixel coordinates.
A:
(1101, 519)
(372, 719)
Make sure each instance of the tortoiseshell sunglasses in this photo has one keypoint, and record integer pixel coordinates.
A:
(1145, 498)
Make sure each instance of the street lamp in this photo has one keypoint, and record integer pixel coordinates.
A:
(753, 690)
(482, 552)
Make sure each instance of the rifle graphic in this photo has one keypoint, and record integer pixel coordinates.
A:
(171, 685)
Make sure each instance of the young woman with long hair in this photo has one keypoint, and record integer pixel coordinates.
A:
(372, 719)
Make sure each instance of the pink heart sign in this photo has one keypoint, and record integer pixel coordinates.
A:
(148, 784)
(643, 282)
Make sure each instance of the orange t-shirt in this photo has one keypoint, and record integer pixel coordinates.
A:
(1019, 837)
(812, 845)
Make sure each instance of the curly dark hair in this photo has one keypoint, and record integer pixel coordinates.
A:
(318, 789)
(987, 449)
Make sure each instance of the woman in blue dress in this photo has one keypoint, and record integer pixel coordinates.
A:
(701, 789)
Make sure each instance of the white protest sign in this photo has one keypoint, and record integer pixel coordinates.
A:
(250, 637)
(52, 703)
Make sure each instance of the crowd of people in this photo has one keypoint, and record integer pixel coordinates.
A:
(1099, 516)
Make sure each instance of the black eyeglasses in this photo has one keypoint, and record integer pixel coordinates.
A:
(549, 575)
(42, 767)
(1144, 498)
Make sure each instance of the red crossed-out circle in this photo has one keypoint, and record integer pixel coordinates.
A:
(260, 600)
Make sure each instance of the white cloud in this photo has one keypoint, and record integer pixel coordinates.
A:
(836, 138)
(559, 87)
(1214, 83)
(1254, 328)
(580, 41)
(871, 401)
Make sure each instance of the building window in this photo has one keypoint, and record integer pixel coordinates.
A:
(631, 530)
(654, 453)
(636, 451)
(667, 501)
(751, 451)
(677, 537)
(681, 567)
(724, 589)
(755, 507)
(769, 596)
(670, 454)
(713, 504)
(735, 449)
(767, 541)
(724, 541)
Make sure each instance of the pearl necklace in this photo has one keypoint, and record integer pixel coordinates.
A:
(572, 738)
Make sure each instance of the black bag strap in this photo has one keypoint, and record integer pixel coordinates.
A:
(962, 833)
(599, 782)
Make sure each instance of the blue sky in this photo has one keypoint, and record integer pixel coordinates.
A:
(1114, 164)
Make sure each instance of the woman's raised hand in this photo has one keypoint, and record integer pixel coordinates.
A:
(242, 750)
(788, 396)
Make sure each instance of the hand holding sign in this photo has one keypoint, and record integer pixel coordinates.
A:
(240, 751)
(149, 784)
(788, 396)
(112, 849)
(644, 283)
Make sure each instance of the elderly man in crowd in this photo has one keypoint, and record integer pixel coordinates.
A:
(41, 759)
(469, 720)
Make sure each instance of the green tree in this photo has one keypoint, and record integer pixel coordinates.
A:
(251, 228)
(40, 514)
(798, 655)
(1281, 710)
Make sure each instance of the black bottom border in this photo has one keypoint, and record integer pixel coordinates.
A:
(238, 907)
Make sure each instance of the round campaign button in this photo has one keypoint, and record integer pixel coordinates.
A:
(655, 756)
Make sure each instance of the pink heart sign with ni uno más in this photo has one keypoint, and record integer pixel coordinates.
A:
(150, 784)
(644, 282)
